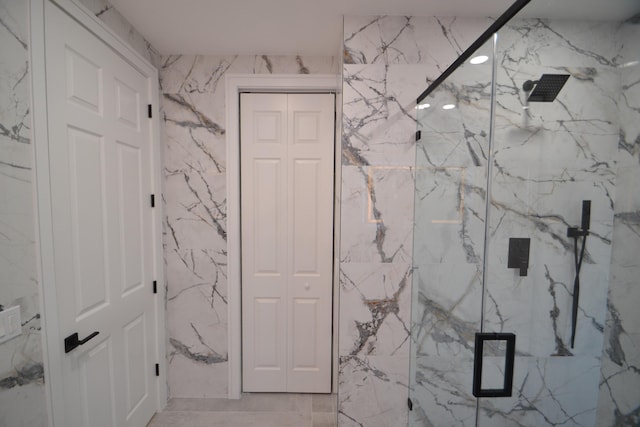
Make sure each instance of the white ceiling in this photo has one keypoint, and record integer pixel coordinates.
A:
(312, 27)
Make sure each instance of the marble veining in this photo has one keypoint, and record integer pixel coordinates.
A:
(387, 62)
(120, 26)
(436, 41)
(619, 397)
(548, 157)
(195, 224)
(22, 394)
(205, 73)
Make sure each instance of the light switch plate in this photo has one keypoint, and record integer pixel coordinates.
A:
(10, 323)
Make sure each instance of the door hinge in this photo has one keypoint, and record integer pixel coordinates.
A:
(153, 200)
(155, 286)
(410, 404)
(157, 369)
(418, 135)
(149, 111)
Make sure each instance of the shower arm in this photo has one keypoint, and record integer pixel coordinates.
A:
(529, 85)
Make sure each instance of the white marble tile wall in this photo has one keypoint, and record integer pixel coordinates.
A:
(548, 158)
(122, 28)
(22, 395)
(388, 61)
(195, 197)
(619, 399)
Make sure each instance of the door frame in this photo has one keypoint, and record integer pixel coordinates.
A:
(286, 83)
(51, 345)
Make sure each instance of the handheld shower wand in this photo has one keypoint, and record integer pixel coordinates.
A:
(576, 232)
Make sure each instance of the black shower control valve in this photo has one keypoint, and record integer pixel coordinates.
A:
(519, 254)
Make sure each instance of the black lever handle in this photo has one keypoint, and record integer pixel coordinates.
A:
(72, 341)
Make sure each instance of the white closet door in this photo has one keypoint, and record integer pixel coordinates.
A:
(100, 175)
(287, 159)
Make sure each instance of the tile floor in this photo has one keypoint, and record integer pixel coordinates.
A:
(253, 409)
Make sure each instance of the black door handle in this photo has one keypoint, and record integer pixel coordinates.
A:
(505, 391)
(72, 341)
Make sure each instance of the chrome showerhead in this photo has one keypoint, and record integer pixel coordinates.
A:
(546, 89)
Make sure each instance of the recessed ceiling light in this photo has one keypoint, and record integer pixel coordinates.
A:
(422, 106)
(448, 107)
(479, 59)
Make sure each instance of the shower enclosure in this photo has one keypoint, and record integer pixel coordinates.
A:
(504, 181)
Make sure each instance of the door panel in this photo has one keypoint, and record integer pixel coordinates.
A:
(306, 181)
(267, 339)
(87, 193)
(84, 91)
(96, 372)
(131, 217)
(287, 241)
(305, 324)
(310, 237)
(263, 197)
(100, 174)
(267, 233)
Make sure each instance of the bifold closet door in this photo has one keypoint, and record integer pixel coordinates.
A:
(287, 156)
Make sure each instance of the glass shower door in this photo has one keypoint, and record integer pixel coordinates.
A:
(451, 180)
(506, 215)
(553, 170)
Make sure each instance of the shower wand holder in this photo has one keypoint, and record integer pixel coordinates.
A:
(576, 232)
(583, 230)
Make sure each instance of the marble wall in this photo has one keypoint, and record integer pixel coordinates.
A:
(22, 392)
(119, 25)
(388, 61)
(548, 157)
(619, 399)
(195, 241)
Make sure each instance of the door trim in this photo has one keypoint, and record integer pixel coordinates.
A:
(236, 83)
(51, 345)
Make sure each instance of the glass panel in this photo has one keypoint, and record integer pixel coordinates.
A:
(619, 397)
(570, 143)
(451, 162)
(548, 158)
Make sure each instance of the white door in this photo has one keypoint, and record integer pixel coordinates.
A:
(100, 178)
(287, 155)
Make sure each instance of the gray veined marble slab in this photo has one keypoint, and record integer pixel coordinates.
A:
(373, 391)
(378, 120)
(449, 218)
(445, 310)
(563, 43)
(377, 206)
(441, 392)
(545, 393)
(435, 41)
(22, 393)
(118, 23)
(374, 319)
(205, 73)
